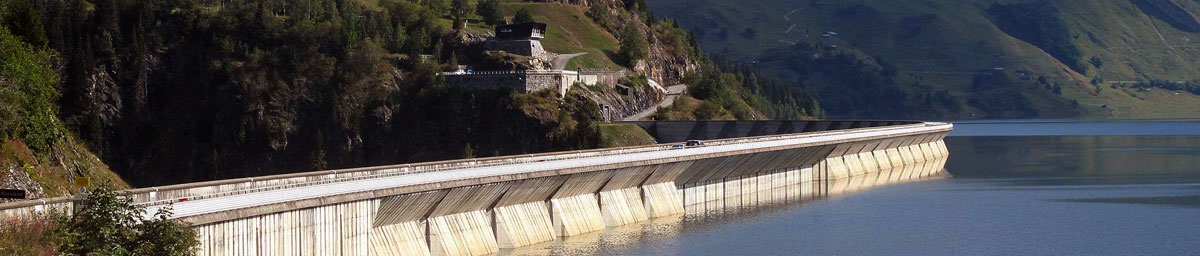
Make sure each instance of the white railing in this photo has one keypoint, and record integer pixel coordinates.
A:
(511, 72)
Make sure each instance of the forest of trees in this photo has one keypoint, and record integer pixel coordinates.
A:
(724, 87)
(852, 85)
(190, 90)
(739, 89)
(177, 91)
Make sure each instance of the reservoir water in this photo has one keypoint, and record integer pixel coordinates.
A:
(1052, 187)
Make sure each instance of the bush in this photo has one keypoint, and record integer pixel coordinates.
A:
(33, 235)
(709, 110)
(633, 45)
(110, 224)
(491, 11)
(599, 13)
(460, 9)
(28, 93)
(523, 16)
(107, 224)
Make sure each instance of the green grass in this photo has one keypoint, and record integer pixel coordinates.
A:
(55, 179)
(571, 31)
(623, 135)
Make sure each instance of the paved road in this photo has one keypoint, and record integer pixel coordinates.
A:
(241, 201)
(672, 92)
(560, 61)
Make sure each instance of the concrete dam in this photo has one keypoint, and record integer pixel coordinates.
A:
(493, 205)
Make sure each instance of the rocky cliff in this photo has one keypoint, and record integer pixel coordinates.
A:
(622, 101)
(670, 53)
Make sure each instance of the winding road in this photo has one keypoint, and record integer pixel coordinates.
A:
(560, 61)
(672, 92)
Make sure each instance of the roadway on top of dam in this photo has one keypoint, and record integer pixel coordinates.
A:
(214, 205)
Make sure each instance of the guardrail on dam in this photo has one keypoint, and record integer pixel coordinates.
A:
(480, 206)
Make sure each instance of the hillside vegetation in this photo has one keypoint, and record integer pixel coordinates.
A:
(953, 59)
(570, 31)
(37, 153)
(169, 92)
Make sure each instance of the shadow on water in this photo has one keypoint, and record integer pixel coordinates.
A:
(1076, 160)
(1082, 163)
(1177, 201)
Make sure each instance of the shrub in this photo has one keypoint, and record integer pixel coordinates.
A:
(460, 9)
(28, 93)
(491, 11)
(107, 224)
(110, 224)
(523, 16)
(34, 235)
(633, 45)
(1097, 62)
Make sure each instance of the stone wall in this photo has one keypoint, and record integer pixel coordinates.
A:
(517, 81)
(541, 81)
(589, 79)
(603, 77)
(488, 81)
(532, 48)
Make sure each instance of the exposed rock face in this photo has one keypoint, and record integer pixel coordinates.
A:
(503, 61)
(665, 68)
(616, 105)
(16, 178)
(662, 64)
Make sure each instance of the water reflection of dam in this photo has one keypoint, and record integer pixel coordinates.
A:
(728, 200)
(484, 206)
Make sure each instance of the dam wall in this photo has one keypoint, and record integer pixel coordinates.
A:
(498, 205)
(489, 218)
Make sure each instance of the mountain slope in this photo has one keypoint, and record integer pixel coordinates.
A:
(170, 92)
(936, 45)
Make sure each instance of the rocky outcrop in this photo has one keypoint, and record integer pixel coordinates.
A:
(617, 103)
(664, 62)
(660, 66)
(503, 61)
(15, 177)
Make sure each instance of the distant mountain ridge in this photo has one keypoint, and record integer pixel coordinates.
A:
(1064, 58)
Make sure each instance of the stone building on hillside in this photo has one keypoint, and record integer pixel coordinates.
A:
(520, 39)
(525, 40)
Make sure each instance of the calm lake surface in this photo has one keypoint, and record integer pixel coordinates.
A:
(1019, 188)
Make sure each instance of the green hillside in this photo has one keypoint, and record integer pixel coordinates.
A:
(571, 31)
(168, 92)
(934, 45)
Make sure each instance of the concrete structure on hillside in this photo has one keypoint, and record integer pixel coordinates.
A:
(479, 206)
(520, 39)
(525, 39)
(521, 81)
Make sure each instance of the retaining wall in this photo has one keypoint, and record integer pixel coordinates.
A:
(517, 81)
